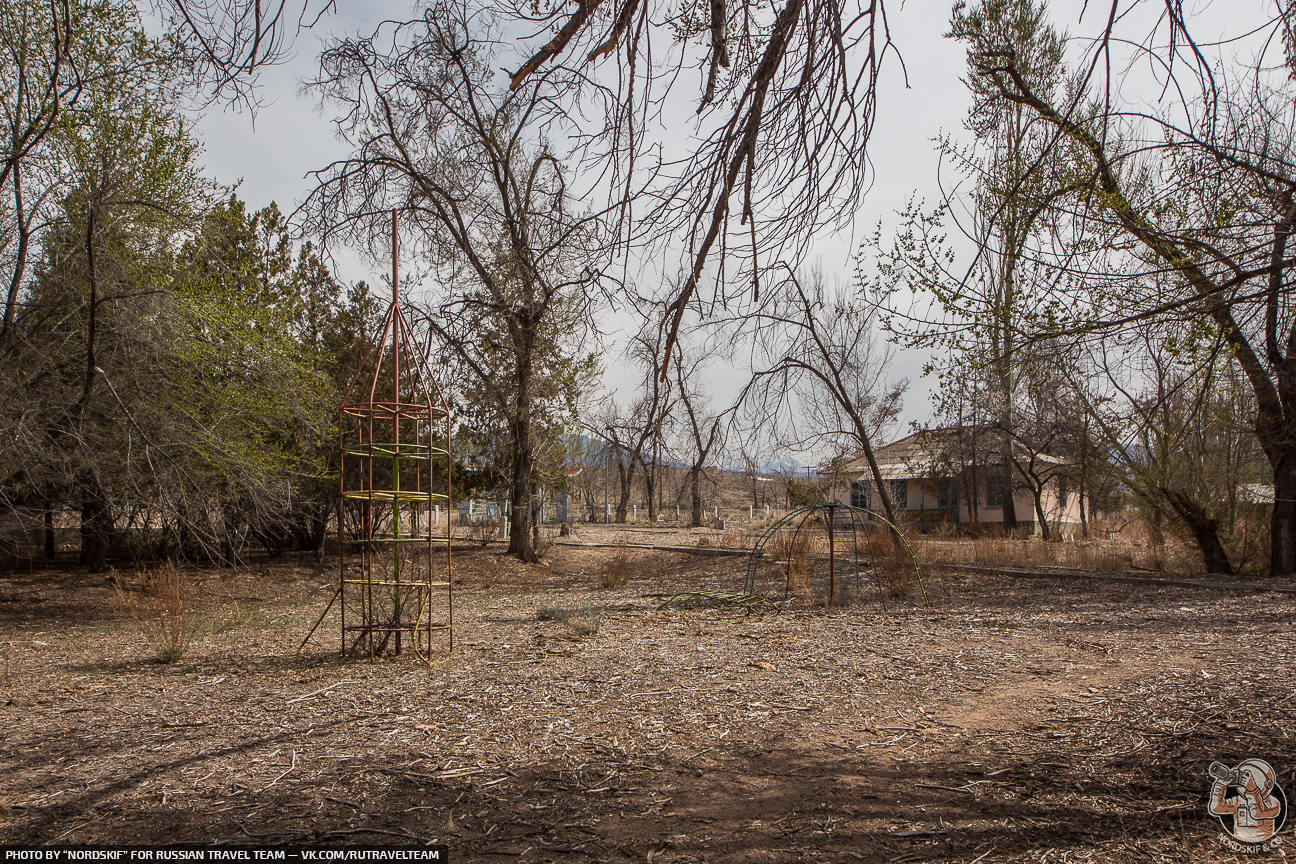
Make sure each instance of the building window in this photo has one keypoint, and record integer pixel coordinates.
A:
(996, 490)
(1062, 492)
(859, 495)
(900, 494)
(944, 494)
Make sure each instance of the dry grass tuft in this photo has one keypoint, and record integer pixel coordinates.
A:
(584, 621)
(1011, 551)
(616, 570)
(159, 603)
(733, 538)
(892, 567)
(793, 547)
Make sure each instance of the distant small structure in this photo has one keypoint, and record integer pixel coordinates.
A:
(931, 487)
(1257, 493)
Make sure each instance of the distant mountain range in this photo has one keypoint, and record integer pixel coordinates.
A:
(593, 450)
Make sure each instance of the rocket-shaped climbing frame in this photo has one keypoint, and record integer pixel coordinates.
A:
(394, 432)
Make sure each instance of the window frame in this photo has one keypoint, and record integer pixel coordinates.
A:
(899, 499)
(995, 486)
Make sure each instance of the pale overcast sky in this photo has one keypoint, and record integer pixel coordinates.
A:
(290, 138)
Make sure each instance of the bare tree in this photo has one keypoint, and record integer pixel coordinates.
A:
(785, 96)
(1179, 428)
(818, 372)
(39, 81)
(704, 431)
(52, 54)
(973, 317)
(1209, 200)
(488, 207)
(654, 408)
(612, 427)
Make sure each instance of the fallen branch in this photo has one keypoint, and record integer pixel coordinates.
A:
(319, 691)
(752, 603)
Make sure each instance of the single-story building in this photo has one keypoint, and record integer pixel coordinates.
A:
(931, 487)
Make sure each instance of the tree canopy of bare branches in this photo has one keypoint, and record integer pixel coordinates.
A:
(1172, 212)
(487, 206)
(784, 97)
(819, 373)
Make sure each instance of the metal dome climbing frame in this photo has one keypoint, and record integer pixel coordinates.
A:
(394, 446)
(827, 543)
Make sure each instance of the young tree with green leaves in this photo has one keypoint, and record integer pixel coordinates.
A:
(273, 343)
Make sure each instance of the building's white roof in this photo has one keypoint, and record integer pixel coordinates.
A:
(1257, 493)
(914, 457)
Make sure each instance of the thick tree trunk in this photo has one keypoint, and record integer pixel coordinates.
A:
(1205, 531)
(23, 226)
(521, 542)
(1010, 522)
(1037, 495)
(50, 550)
(96, 530)
(695, 489)
(1282, 526)
(650, 486)
(625, 474)
(661, 484)
(229, 547)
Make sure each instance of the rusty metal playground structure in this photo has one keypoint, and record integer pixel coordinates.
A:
(394, 587)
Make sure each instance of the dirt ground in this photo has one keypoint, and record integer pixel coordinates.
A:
(1014, 720)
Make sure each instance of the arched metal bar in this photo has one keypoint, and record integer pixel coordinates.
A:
(758, 550)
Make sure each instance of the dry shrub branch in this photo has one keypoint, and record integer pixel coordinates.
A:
(616, 570)
(995, 548)
(159, 604)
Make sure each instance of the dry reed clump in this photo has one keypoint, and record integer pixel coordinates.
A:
(800, 560)
(996, 548)
(583, 622)
(787, 549)
(159, 604)
(892, 566)
(616, 570)
(735, 539)
(793, 548)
